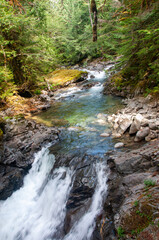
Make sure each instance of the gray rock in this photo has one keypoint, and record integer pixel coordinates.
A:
(139, 120)
(119, 145)
(153, 126)
(104, 135)
(148, 138)
(133, 128)
(152, 135)
(141, 134)
(136, 160)
(116, 135)
(124, 125)
(92, 76)
(21, 140)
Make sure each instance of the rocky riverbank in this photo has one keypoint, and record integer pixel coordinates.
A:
(138, 121)
(131, 208)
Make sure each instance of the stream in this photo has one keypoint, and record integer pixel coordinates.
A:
(64, 191)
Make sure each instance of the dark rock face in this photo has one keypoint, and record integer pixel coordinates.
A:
(11, 179)
(83, 187)
(130, 204)
(21, 140)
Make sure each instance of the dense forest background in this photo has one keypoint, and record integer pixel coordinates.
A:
(38, 36)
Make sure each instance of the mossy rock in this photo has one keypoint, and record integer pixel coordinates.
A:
(1, 134)
(63, 77)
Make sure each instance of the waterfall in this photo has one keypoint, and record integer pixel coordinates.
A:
(36, 210)
(83, 229)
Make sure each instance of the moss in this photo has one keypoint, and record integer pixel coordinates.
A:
(63, 76)
(1, 134)
(50, 123)
(40, 120)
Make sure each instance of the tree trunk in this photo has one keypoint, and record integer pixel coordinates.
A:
(93, 9)
(16, 66)
(95, 27)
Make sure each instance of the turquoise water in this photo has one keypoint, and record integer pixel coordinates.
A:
(81, 115)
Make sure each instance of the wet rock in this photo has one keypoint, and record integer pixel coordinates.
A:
(101, 122)
(22, 139)
(92, 76)
(101, 116)
(83, 188)
(75, 129)
(88, 85)
(11, 179)
(105, 135)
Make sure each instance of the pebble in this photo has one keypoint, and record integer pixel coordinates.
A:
(104, 135)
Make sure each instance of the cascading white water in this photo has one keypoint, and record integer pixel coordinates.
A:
(97, 74)
(36, 210)
(83, 229)
(100, 75)
(66, 93)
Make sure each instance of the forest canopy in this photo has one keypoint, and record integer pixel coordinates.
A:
(38, 36)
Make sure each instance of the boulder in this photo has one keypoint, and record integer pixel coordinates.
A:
(133, 128)
(92, 76)
(138, 120)
(124, 124)
(141, 134)
(119, 145)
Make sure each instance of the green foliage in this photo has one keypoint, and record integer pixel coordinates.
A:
(140, 46)
(37, 92)
(38, 36)
(120, 231)
(7, 117)
(149, 183)
(26, 49)
(136, 203)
